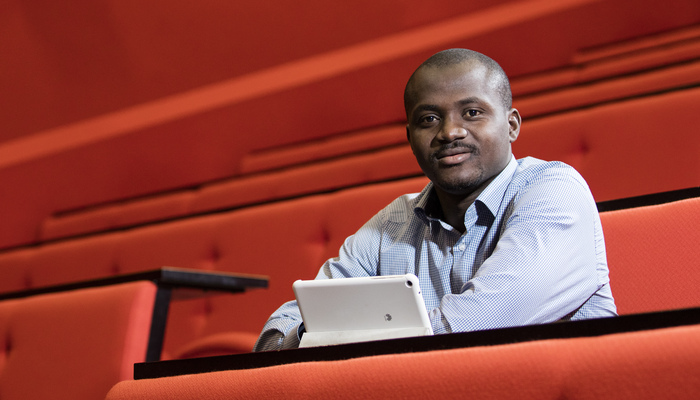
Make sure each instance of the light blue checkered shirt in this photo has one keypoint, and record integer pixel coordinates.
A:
(533, 252)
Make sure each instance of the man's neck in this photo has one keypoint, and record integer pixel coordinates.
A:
(454, 206)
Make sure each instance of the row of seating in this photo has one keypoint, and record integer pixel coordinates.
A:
(299, 214)
(285, 240)
(102, 161)
(667, 62)
(613, 73)
(652, 364)
(635, 56)
(75, 344)
(78, 344)
(589, 139)
(293, 208)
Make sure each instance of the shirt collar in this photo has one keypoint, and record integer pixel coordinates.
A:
(492, 196)
(427, 205)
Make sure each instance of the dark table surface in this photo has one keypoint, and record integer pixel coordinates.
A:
(559, 330)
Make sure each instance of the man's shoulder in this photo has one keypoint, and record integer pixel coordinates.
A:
(532, 164)
(547, 179)
(531, 169)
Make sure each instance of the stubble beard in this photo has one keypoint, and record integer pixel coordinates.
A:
(462, 186)
(459, 184)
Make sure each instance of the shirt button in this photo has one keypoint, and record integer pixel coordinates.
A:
(461, 247)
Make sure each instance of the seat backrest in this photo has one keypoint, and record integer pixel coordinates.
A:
(75, 344)
(654, 256)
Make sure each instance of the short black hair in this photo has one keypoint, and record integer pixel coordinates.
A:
(457, 56)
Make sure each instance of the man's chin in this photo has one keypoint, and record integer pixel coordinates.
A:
(461, 187)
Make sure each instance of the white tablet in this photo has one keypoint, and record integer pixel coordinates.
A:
(349, 310)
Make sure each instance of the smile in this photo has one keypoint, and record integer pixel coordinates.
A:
(454, 159)
(453, 156)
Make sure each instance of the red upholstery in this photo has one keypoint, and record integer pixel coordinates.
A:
(78, 260)
(172, 156)
(306, 232)
(589, 140)
(391, 163)
(653, 256)
(640, 365)
(218, 344)
(292, 239)
(117, 215)
(659, 42)
(600, 92)
(73, 345)
(330, 147)
(13, 269)
(615, 60)
(623, 149)
(198, 128)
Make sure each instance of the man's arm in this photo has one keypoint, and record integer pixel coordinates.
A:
(282, 330)
(357, 257)
(549, 260)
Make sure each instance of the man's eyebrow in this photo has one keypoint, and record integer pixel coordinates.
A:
(435, 108)
(470, 100)
(426, 107)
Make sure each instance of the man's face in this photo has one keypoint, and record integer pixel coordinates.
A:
(459, 128)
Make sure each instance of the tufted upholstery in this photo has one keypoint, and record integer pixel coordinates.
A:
(292, 239)
(193, 185)
(73, 345)
(590, 140)
(653, 256)
(623, 149)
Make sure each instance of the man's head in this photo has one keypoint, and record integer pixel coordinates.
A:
(450, 57)
(460, 120)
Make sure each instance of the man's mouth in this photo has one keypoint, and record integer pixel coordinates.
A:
(455, 155)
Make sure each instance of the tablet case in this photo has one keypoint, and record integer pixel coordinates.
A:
(346, 310)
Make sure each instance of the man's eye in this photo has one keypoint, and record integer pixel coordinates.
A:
(472, 113)
(429, 119)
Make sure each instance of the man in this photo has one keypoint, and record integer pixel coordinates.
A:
(494, 241)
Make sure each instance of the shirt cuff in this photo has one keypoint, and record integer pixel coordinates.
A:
(438, 322)
(292, 339)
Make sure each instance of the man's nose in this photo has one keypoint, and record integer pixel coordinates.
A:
(452, 129)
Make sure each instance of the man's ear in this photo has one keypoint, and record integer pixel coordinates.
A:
(514, 122)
